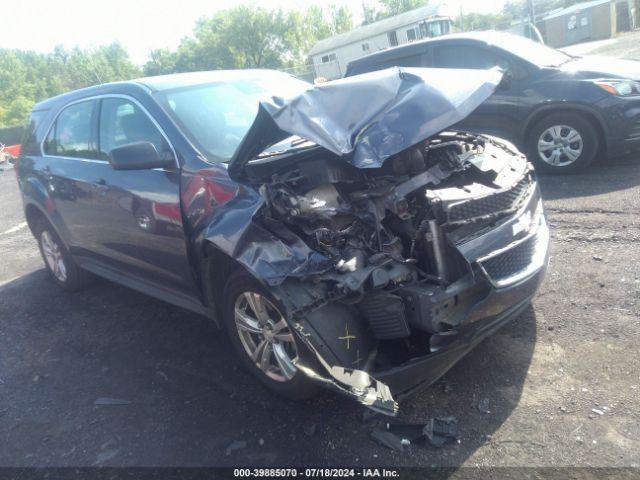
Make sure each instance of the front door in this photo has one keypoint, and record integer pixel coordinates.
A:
(142, 229)
(498, 115)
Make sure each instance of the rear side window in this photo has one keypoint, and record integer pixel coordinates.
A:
(71, 134)
(461, 56)
(123, 122)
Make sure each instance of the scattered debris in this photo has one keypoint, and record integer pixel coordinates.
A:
(483, 406)
(440, 431)
(447, 387)
(163, 375)
(111, 401)
(309, 429)
(368, 415)
(599, 412)
(411, 433)
(388, 439)
(237, 445)
(597, 258)
(550, 328)
(261, 442)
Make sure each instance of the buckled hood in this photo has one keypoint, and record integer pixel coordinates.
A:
(367, 118)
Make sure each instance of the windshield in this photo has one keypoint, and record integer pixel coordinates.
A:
(216, 116)
(534, 52)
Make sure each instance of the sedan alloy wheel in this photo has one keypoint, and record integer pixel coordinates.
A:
(265, 336)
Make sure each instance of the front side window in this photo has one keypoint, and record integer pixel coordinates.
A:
(70, 135)
(123, 122)
(408, 61)
(411, 35)
(461, 56)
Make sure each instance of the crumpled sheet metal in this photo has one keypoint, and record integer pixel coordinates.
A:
(351, 382)
(269, 257)
(371, 117)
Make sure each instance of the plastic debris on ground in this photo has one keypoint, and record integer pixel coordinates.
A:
(437, 431)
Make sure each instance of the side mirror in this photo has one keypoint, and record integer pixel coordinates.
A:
(137, 156)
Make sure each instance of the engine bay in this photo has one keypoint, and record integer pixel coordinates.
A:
(385, 228)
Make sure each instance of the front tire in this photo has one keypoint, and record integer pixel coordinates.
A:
(263, 339)
(562, 143)
(58, 261)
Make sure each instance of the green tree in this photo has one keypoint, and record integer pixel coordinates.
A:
(394, 7)
(27, 77)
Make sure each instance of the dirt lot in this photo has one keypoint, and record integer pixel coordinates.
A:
(625, 45)
(562, 382)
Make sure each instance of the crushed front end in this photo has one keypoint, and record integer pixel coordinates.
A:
(394, 245)
(424, 257)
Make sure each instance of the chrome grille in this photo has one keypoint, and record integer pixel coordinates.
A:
(497, 203)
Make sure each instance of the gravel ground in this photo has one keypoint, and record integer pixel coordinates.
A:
(625, 45)
(557, 387)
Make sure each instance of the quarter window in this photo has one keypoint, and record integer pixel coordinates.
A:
(70, 135)
(123, 122)
(411, 35)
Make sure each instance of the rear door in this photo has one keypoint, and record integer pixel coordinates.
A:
(70, 157)
(499, 114)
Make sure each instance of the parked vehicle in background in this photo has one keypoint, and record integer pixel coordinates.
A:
(561, 110)
(368, 257)
(9, 151)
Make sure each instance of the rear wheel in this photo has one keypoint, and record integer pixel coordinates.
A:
(57, 259)
(562, 143)
(263, 338)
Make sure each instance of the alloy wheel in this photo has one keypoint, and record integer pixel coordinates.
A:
(53, 255)
(560, 145)
(265, 336)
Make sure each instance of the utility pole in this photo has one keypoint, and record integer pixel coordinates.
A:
(532, 18)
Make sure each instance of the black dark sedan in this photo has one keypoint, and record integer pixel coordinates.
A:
(561, 110)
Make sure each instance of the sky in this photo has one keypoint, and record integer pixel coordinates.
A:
(139, 25)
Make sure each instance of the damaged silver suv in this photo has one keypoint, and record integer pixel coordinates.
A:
(340, 233)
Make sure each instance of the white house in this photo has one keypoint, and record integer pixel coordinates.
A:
(330, 56)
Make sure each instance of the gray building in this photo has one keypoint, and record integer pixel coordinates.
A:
(585, 22)
(330, 56)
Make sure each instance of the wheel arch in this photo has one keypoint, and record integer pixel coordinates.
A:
(561, 108)
(217, 268)
(33, 213)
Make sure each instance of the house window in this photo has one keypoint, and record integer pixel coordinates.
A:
(393, 38)
(411, 35)
(325, 59)
(365, 47)
(328, 58)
